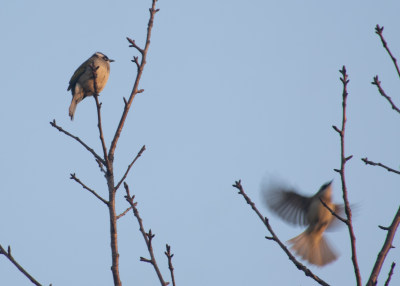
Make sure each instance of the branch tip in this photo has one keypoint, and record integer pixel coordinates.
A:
(383, 227)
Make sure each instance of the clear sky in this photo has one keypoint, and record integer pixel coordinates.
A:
(233, 90)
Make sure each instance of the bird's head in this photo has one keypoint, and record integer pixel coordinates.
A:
(102, 56)
(325, 190)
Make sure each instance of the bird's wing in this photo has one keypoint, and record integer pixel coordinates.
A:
(288, 204)
(79, 71)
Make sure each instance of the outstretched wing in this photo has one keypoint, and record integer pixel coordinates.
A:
(288, 204)
(77, 74)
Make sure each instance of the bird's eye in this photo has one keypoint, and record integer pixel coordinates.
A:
(105, 58)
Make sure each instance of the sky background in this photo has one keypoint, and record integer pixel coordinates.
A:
(233, 90)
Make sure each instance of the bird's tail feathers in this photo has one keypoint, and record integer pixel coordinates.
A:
(74, 102)
(313, 248)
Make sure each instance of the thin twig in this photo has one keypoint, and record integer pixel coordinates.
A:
(135, 88)
(367, 162)
(265, 220)
(379, 31)
(53, 123)
(73, 177)
(133, 45)
(333, 213)
(344, 79)
(148, 236)
(98, 107)
(136, 61)
(170, 266)
(383, 93)
(373, 279)
(130, 165)
(390, 274)
(101, 166)
(16, 264)
(124, 213)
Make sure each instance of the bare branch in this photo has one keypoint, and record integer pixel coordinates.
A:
(124, 213)
(99, 159)
(16, 264)
(101, 166)
(390, 274)
(333, 213)
(135, 88)
(129, 167)
(373, 279)
(110, 156)
(133, 45)
(148, 236)
(383, 93)
(170, 266)
(136, 61)
(113, 229)
(98, 105)
(367, 162)
(379, 31)
(265, 220)
(73, 177)
(344, 79)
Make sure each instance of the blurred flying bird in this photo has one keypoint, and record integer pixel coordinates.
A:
(307, 211)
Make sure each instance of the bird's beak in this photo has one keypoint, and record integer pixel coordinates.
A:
(110, 60)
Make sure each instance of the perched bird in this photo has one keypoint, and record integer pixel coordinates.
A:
(81, 83)
(302, 210)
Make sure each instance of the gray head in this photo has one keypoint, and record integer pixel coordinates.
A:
(102, 56)
(324, 187)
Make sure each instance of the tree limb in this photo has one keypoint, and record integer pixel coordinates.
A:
(383, 93)
(170, 266)
(373, 279)
(129, 167)
(124, 213)
(73, 177)
(390, 274)
(16, 264)
(379, 31)
(135, 89)
(367, 162)
(343, 159)
(99, 159)
(148, 236)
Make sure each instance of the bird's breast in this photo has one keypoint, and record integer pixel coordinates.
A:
(86, 80)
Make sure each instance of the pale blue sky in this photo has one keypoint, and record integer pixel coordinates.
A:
(233, 90)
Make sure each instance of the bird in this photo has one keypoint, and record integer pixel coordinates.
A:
(81, 82)
(310, 245)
